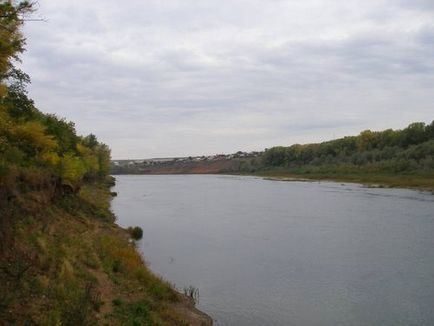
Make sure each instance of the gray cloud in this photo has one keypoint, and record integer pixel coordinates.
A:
(154, 78)
(419, 5)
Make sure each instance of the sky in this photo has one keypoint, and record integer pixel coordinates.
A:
(155, 78)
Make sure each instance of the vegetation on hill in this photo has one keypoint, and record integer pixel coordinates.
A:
(67, 263)
(37, 149)
(63, 260)
(392, 157)
(410, 150)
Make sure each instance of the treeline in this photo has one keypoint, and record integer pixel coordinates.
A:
(406, 151)
(37, 148)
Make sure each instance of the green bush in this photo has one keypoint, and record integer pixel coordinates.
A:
(117, 302)
(117, 265)
(136, 232)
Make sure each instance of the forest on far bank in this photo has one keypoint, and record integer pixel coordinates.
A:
(406, 152)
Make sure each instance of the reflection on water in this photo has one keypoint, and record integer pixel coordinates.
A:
(287, 253)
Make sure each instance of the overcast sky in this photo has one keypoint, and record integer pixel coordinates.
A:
(187, 77)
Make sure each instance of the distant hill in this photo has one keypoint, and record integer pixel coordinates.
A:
(395, 157)
(218, 163)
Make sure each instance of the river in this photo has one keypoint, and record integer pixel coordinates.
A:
(267, 252)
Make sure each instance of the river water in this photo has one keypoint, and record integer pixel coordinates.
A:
(287, 253)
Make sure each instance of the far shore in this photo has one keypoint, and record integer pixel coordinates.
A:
(423, 183)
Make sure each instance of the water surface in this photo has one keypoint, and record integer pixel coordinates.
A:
(287, 253)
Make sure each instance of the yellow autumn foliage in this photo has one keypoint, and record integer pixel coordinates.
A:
(50, 159)
(33, 133)
(89, 158)
(72, 168)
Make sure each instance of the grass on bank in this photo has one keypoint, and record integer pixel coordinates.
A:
(71, 265)
(416, 181)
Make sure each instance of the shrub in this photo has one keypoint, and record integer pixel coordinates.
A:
(192, 293)
(116, 266)
(117, 302)
(135, 232)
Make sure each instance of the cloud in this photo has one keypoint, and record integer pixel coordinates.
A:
(419, 5)
(154, 78)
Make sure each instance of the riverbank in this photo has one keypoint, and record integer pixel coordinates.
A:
(419, 182)
(67, 262)
(424, 183)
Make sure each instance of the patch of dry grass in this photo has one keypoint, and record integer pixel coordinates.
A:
(70, 263)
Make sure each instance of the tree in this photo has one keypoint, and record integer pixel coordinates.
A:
(11, 40)
(90, 141)
(32, 142)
